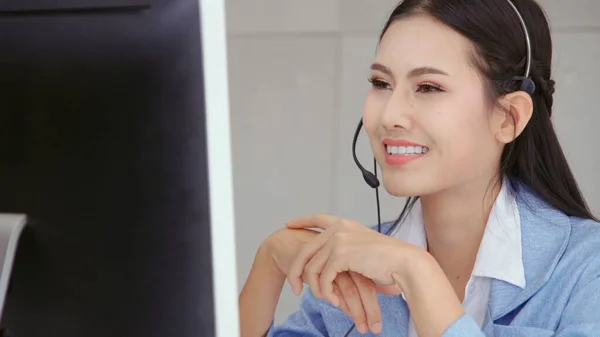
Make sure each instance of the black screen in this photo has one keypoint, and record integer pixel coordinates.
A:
(102, 146)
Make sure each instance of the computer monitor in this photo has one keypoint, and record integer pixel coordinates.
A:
(114, 154)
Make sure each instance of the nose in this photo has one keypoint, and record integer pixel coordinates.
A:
(396, 114)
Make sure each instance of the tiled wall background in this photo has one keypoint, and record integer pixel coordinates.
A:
(298, 74)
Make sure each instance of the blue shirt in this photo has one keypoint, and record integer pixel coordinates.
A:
(561, 257)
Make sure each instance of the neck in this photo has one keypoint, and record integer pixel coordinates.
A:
(455, 222)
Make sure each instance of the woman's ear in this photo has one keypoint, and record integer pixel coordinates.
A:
(513, 115)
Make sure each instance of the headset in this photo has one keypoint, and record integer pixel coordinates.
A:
(527, 85)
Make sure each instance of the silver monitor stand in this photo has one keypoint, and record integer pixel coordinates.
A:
(11, 226)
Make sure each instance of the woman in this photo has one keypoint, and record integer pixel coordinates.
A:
(500, 241)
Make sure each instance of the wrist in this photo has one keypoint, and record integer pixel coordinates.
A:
(415, 265)
(265, 260)
(433, 303)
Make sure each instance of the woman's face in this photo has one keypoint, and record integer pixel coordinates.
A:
(426, 115)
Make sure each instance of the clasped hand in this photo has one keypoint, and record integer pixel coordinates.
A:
(374, 262)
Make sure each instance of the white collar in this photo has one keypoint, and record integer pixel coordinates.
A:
(500, 253)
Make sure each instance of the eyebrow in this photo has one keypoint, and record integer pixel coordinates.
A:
(413, 73)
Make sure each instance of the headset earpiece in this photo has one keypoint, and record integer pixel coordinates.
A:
(527, 84)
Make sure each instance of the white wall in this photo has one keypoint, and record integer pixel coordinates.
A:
(298, 74)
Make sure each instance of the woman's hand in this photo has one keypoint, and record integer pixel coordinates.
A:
(357, 294)
(344, 246)
(285, 244)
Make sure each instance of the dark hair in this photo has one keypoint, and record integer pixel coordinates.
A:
(535, 158)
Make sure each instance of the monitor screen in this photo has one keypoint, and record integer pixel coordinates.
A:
(116, 152)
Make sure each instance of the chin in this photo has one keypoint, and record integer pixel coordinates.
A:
(399, 184)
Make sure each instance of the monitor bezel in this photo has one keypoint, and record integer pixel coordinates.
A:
(214, 49)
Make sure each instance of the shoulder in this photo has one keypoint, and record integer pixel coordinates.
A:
(585, 234)
(583, 248)
(578, 275)
(546, 230)
(561, 257)
(542, 222)
(573, 241)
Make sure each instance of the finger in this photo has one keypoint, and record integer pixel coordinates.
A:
(333, 267)
(322, 221)
(328, 274)
(312, 280)
(343, 305)
(368, 295)
(312, 271)
(306, 253)
(349, 294)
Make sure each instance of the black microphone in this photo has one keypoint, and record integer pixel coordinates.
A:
(369, 177)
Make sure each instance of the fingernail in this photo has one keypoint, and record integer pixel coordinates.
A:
(294, 287)
(363, 328)
(376, 328)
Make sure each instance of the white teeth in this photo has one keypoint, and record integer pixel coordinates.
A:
(407, 150)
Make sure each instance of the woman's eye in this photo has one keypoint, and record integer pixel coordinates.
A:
(379, 84)
(428, 88)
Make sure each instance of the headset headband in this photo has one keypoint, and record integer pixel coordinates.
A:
(527, 83)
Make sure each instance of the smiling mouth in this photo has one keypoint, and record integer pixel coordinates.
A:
(406, 150)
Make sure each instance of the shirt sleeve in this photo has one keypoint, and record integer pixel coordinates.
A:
(465, 326)
(306, 322)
